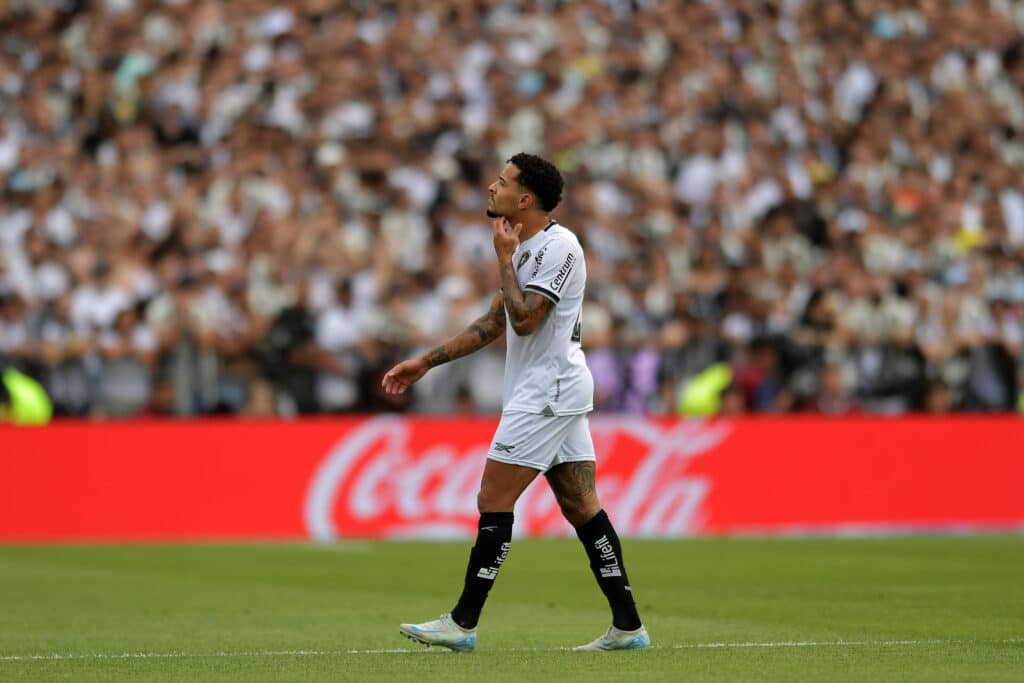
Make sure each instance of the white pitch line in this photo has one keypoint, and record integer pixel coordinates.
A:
(817, 643)
(335, 653)
(171, 655)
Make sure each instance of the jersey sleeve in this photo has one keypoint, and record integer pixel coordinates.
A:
(552, 268)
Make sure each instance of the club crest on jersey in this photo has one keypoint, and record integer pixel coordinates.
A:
(523, 258)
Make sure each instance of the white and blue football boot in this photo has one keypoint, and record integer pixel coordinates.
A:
(444, 632)
(614, 639)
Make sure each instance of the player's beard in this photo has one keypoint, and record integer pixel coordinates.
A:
(492, 209)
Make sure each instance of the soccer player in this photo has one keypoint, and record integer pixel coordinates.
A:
(547, 395)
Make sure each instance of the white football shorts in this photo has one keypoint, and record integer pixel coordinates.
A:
(540, 441)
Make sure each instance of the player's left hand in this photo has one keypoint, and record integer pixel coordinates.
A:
(506, 237)
(406, 373)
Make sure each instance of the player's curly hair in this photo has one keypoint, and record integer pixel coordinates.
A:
(540, 177)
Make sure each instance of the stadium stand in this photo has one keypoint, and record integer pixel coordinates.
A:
(254, 207)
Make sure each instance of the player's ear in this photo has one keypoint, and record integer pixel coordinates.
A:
(526, 200)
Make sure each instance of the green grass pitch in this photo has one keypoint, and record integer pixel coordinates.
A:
(897, 609)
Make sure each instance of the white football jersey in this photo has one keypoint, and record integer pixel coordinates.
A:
(546, 372)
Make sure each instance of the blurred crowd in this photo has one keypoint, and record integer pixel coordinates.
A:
(256, 207)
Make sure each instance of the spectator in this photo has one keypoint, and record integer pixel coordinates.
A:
(833, 396)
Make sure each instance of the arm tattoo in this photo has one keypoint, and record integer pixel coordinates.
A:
(437, 356)
(527, 311)
(479, 334)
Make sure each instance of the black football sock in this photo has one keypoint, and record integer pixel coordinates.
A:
(605, 552)
(493, 540)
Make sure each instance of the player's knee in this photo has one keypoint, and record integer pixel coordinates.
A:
(578, 511)
(491, 500)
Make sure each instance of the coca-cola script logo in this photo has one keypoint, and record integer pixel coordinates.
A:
(391, 478)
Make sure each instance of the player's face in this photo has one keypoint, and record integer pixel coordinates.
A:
(504, 194)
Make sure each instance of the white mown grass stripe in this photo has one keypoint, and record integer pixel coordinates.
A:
(384, 651)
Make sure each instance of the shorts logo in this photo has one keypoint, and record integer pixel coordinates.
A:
(503, 448)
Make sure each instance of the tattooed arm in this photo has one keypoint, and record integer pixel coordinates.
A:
(525, 311)
(479, 334)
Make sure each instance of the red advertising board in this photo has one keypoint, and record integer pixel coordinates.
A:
(396, 477)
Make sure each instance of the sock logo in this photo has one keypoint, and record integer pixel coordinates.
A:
(611, 568)
(491, 573)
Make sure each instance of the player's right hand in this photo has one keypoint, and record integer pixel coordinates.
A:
(400, 377)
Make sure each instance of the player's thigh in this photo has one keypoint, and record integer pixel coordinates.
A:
(502, 484)
(573, 476)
